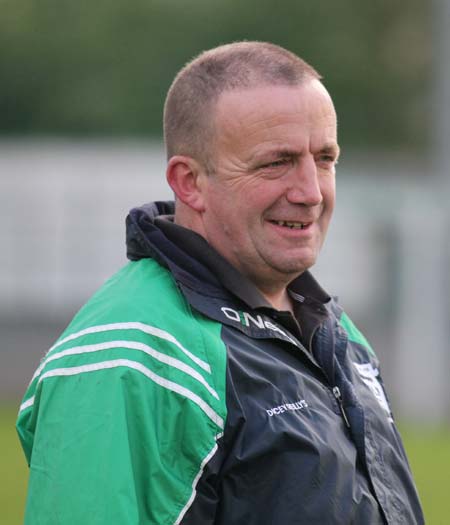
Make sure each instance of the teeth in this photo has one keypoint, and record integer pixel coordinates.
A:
(290, 224)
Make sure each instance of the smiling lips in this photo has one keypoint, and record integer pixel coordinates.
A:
(293, 225)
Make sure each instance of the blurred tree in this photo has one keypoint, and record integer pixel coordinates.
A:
(104, 67)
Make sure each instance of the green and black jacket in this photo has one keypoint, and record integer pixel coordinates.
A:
(177, 395)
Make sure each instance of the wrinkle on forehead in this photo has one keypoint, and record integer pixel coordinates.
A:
(297, 98)
(269, 115)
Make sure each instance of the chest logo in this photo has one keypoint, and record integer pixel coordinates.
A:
(245, 319)
(369, 375)
(298, 405)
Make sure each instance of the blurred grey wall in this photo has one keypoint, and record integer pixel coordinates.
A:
(63, 205)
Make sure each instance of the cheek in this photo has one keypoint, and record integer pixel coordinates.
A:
(328, 190)
(238, 210)
(222, 214)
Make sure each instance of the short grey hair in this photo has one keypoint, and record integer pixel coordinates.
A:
(189, 107)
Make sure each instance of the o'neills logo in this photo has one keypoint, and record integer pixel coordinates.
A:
(245, 319)
(299, 405)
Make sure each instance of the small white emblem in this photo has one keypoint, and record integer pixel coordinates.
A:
(369, 375)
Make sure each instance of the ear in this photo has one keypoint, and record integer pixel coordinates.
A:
(185, 177)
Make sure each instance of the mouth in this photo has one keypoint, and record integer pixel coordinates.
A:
(292, 225)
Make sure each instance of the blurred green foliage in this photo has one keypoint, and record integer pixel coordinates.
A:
(104, 67)
(14, 469)
(429, 455)
(428, 451)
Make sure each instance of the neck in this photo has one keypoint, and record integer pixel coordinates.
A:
(280, 300)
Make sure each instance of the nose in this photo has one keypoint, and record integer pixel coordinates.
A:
(304, 187)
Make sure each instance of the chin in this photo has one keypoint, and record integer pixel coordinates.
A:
(295, 265)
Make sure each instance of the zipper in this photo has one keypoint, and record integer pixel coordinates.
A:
(338, 396)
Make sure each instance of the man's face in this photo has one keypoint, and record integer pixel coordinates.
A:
(268, 205)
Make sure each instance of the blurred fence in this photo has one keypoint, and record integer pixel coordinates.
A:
(63, 205)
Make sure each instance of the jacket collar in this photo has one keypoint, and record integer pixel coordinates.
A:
(151, 232)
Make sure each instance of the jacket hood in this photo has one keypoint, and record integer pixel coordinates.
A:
(151, 233)
(142, 235)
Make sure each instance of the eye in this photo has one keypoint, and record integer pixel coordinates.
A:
(327, 160)
(277, 163)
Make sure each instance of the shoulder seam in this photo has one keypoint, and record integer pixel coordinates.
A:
(133, 325)
(128, 363)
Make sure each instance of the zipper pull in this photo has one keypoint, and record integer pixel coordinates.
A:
(338, 396)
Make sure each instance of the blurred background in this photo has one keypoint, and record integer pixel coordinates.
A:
(82, 87)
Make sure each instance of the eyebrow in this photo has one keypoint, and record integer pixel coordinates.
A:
(331, 148)
(276, 153)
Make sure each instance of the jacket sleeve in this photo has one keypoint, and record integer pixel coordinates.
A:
(117, 434)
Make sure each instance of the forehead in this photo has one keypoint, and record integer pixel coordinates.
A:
(271, 115)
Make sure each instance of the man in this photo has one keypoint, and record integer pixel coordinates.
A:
(212, 380)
